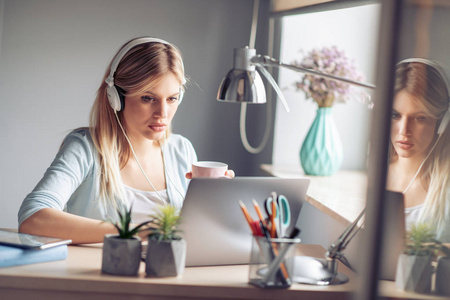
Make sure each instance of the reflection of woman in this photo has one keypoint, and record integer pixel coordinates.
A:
(126, 156)
(420, 154)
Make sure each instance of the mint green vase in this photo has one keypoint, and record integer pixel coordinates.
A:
(321, 153)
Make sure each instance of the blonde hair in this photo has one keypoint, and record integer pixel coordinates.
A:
(142, 67)
(430, 90)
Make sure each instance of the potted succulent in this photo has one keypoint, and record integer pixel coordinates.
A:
(166, 251)
(414, 269)
(122, 251)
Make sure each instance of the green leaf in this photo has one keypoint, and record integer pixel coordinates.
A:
(124, 223)
(165, 221)
(421, 241)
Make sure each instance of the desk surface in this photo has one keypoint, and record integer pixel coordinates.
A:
(80, 277)
(342, 196)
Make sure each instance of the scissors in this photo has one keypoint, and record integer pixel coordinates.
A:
(282, 214)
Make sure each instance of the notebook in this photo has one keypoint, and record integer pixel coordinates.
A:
(393, 234)
(15, 256)
(212, 221)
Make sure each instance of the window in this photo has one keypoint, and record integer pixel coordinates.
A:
(353, 30)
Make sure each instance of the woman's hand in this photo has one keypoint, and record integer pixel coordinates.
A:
(228, 173)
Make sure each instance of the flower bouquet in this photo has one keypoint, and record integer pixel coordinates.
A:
(325, 92)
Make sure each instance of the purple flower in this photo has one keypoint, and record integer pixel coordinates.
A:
(325, 92)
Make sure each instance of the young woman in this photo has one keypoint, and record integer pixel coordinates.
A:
(127, 155)
(420, 152)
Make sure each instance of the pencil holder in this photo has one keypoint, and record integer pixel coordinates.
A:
(268, 265)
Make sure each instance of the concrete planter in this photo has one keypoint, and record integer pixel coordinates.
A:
(414, 273)
(121, 256)
(165, 258)
(443, 276)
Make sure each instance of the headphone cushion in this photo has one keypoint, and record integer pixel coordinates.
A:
(114, 98)
(444, 122)
(180, 97)
(121, 94)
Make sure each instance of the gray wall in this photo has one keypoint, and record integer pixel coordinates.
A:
(53, 55)
(437, 30)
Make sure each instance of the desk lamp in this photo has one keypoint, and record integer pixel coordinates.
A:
(243, 84)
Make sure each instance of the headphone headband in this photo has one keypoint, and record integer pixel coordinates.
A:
(124, 50)
(446, 119)
(115, 98)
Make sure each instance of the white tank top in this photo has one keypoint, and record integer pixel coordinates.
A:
(144, 203)
(412, 215)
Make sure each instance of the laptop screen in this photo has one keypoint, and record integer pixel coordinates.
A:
(212, 221)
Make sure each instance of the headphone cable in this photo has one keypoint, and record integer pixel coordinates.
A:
(165, 170)
(421, 165)
(137, 160)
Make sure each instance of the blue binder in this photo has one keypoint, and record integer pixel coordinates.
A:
(13, 256)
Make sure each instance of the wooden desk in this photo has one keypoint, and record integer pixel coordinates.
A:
(80, 277)
(342, 196)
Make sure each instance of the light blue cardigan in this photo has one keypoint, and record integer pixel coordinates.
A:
(71, 182)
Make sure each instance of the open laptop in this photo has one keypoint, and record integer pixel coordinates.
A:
(212, 221)
(393, 234)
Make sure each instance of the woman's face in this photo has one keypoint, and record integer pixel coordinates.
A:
(148, 115)
(412, 130)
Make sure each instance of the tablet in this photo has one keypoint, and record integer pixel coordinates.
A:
(29, 241)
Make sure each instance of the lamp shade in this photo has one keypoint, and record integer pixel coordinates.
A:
(242, 86)
(242, 83)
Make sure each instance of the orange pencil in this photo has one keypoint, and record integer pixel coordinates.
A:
(258, 212)
(247, 216)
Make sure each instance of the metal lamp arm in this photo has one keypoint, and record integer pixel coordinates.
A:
(273, 83)
(269, 61)
(342, 242)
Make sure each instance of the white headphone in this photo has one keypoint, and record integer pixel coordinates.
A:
(446, 119)
(115, 97)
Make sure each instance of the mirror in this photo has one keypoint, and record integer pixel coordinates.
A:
(419, 161)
